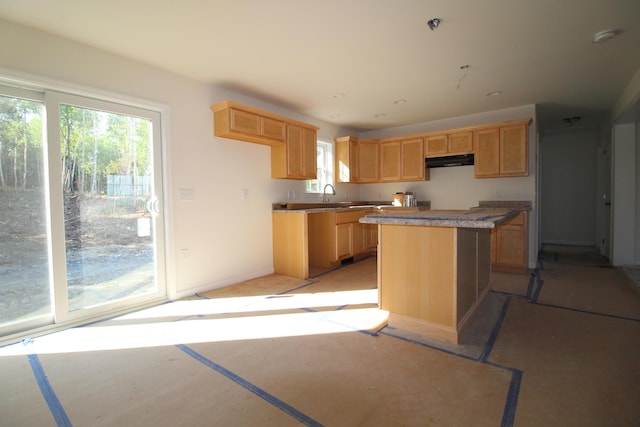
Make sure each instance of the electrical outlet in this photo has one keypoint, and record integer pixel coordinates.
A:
(184, 254)
(290, 194)
(245, 194)
(186, 194)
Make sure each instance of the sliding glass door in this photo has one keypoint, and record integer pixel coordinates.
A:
(96, 245)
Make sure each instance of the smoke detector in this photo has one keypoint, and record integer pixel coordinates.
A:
(604, 36)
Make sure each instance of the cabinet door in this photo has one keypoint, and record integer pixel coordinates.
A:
(368, 161)
(309, 154)
(346, 159)
(294, 151)
(301, 152)
(243, 122)
(487, 149)
(436, 145)
(513, 151)
(460, 143)
(412, 159)
(359, 238)
(390, 161)
(510, 242)
(344, 240)
(273, 129)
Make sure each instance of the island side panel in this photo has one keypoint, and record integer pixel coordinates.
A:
(290, 244)
(417, 272)
(467, 271)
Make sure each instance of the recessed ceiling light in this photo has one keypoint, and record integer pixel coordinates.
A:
(334, 116)
(380, 116)
(495, 93)
(571, 120)
(338, 95)
(400, 101)
(604, 36)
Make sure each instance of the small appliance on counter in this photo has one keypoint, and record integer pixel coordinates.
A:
(407, 199)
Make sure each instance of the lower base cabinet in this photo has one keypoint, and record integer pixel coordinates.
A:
(509, 245)
(305, 242)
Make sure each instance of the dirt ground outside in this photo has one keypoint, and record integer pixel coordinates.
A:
(106, 259)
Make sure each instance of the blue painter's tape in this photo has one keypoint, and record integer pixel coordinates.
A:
(488, 347)
(58, 412)
(536, 294)
(288, 409)
(595, 313)
(510, 405)
(532, 280)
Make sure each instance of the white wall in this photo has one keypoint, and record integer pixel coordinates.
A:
(625, 191)
(456, 188)
(229, 238)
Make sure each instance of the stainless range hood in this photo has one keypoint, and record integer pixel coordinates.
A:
(449, 161)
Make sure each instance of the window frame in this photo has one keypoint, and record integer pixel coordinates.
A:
(324, 172)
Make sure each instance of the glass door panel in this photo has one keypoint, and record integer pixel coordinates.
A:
(108, 193)
(25, 292)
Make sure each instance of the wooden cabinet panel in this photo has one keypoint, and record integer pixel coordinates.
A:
(390, 161)
(487, 159)
(344, 241)
(501, 152)
(359, 238)
(297, 158)
(448, 144)
(510, 244)
(402, 160)
(244, 122)
(356, 160)
(368, 164)
(346, 159)
(460, 143)
(293, 143)
(238, 123)
(436, 145)
(412, 161)
(513, 151)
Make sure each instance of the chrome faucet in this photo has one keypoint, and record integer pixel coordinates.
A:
(324, 192)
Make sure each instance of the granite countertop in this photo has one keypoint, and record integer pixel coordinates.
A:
(294, 207)
(473, 218)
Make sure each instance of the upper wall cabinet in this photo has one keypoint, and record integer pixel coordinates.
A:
(402, 160)
(297, 159)
(293, 143)
(244, 123)
(357, 160)
(445, 144)
(502, 151)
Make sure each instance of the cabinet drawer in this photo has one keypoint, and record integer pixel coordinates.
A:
(351, 216)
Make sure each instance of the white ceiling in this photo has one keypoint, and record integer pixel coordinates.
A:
(354, 58)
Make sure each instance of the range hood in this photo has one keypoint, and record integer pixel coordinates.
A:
(448, 161)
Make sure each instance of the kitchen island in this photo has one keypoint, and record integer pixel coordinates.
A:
(434, 266)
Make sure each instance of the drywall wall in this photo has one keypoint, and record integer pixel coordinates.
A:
(227, 235)
(625, 219)
(456, 188)
(568, 172)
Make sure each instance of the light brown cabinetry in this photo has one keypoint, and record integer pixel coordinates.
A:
(368, 160)
(236, 121)
(297, 158)
(434, 276)
(501, 151)
(402, 160)
(293, 143)
(448, 144)
(356, 160)
(509, 245)
(305, 243)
